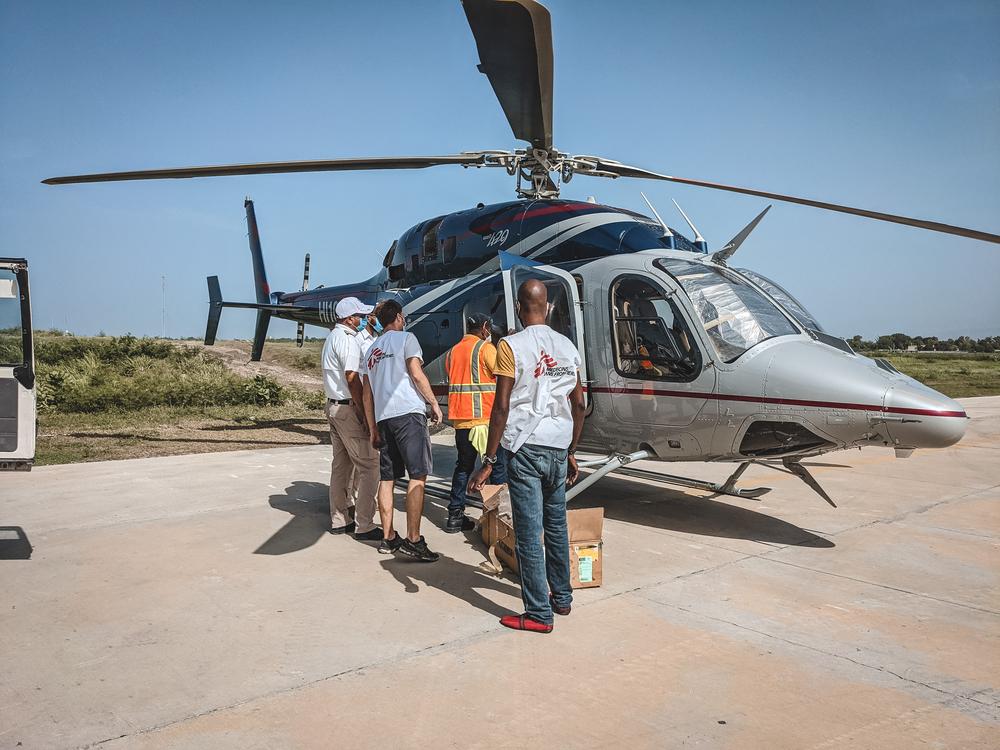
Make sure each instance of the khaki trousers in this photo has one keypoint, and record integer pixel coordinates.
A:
(352, 452)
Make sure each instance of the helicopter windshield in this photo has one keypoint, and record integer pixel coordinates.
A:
(785, 299)
(735, 314)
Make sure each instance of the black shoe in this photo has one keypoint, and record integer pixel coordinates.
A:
(418, 550)
(344, 529)
(374, 535)
(458, 521)
(388, 546)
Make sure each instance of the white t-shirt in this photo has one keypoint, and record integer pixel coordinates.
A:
(385, 365)
(365, 339)
(341, 353)
(546, 368)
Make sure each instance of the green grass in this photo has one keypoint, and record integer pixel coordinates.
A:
(95, 375)
(955, 374)
(106, 398)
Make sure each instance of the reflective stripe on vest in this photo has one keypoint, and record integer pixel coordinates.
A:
(468, 396)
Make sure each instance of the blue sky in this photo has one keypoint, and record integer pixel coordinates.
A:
(893, 106)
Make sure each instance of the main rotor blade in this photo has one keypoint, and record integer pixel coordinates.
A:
(623, 170)
(514, 39)
(275, 167)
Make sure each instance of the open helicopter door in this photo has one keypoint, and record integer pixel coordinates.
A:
(565, 310)
(17, 368)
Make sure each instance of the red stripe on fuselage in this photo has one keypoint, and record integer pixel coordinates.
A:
(648, 391)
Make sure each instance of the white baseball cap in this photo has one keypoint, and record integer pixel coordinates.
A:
(352, 306)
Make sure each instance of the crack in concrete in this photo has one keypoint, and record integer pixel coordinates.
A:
(886, 586)
(885, 670)
(422, 651)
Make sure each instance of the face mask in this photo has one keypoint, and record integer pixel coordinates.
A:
(377, 326)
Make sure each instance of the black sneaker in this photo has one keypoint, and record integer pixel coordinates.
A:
(458, 522)
(374, 535)
(388, 546)
(418, 550)
(343, 529)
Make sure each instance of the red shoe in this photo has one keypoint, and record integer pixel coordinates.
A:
(523, 622)
(557, 609)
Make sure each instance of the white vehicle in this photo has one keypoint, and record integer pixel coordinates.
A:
(17, 368)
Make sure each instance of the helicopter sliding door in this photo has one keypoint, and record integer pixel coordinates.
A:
(17, 374)
(565, 313)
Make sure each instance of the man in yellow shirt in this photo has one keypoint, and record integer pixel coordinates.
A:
(471, 387)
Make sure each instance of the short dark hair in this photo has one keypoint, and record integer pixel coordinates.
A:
(388, 312)
(475, 321)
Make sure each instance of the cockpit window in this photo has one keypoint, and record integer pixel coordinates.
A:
(786, 300)
(735, 314)
(651, 339)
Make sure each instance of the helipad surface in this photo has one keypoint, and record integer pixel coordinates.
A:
(196, 602)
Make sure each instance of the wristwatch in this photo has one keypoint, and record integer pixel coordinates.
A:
(490, 460)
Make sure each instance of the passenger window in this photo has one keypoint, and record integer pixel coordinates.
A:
(651, 339)
(430, 242)
(489, 301)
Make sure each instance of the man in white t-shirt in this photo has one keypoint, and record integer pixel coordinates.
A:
(537, 419)
(368, 331)
(397, 394)
(352, 449)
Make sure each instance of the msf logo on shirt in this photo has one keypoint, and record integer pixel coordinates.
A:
(549, 367)
(375, 357)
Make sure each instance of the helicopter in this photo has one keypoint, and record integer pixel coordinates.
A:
(685, 357)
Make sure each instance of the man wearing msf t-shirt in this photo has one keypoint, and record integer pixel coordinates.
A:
(537, 418)
(396, 394)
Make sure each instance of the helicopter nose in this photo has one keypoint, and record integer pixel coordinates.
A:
(922, 417)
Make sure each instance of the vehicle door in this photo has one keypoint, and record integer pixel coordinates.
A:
(659, 373)
(17, 368)
(565, 313)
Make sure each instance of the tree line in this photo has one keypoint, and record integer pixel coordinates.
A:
(902, 342)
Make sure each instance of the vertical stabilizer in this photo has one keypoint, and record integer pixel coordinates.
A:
(261, 287)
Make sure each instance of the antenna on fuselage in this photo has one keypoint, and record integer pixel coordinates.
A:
(666, 229)
(723, 254)
(699, 241)
(300, 329)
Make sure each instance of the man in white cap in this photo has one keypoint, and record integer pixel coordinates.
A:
(352, 448)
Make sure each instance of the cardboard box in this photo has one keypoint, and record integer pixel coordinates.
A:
(586, 527)
(586, 549)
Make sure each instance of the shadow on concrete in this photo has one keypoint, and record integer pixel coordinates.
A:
(158, 439)
(14, 544)
(309, 505)
(673, 510)
(295, 426)
(456, 578)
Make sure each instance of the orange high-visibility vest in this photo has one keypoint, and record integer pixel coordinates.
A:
(471, 388)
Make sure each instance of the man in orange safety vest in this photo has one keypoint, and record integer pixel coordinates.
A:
(471, 388)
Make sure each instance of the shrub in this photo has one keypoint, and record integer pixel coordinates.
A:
(127, 374)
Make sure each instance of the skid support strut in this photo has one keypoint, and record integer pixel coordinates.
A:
(606, 466)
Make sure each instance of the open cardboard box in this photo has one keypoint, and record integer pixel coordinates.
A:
(586, 526)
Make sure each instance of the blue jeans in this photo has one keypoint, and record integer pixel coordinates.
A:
(536, 476)
(465, 464)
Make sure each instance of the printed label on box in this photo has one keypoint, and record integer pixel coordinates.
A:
(586, 568)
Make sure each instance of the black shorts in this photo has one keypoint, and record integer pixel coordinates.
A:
(406, 444)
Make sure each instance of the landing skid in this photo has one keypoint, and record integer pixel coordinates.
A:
(725, 488)
(618, 463)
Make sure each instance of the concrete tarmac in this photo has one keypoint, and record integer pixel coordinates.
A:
(197, 602)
